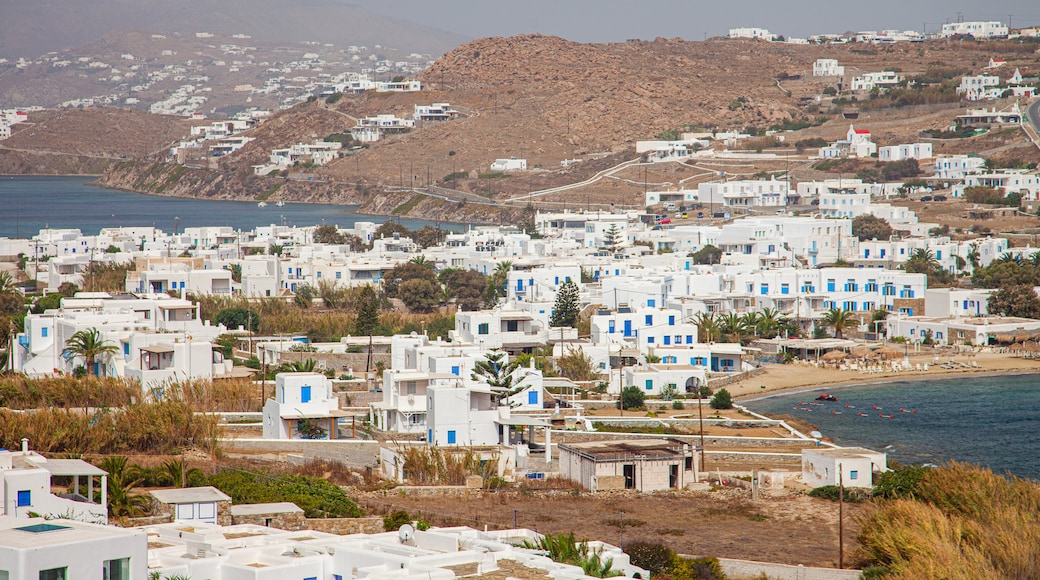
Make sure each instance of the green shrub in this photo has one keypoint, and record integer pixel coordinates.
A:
(632, 397)
(677, 405)
(722, 400)
(656, 558)
(394, 520)
(899, 481)
(831, 492)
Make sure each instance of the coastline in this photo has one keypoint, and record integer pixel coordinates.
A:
(790, 379)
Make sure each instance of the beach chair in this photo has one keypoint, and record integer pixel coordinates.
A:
(925, 366)
(918, 366)
(974, 364)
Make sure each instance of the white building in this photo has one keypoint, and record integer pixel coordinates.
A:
(857, 143)
(752, 33)
(434, 112)
(512, 330)
(192, 505)
(980, 87)
(643, 465)
(850, 466)
(827, 67)
(958, 166)
(53, 549)
(25, 488)
(745, 194)
(868, 81)
(968, 330)
(1008, 180)
(906, 151)
(511, 164)
(658, 151)
(304, 407)
(977, 29)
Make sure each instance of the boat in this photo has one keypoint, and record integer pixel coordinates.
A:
(826, 397)
(280, 203)
(262, 204)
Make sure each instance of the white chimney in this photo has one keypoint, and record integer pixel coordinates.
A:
(25, 445)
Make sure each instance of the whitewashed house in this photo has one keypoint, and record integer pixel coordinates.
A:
(303, 407)
(511, 164)
(907, 151)
(977, 29)
(827, 67)
(871, 80)
(53, 549)
(851, 466)
(958, 166)
(745, 194)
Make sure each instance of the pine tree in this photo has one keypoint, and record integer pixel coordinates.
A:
(566, 308)
(367, 317)
(613, 239)
(496, 372)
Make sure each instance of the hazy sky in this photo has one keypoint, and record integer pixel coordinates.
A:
(616, 20)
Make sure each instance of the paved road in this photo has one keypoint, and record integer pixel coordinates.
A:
(1033, 114)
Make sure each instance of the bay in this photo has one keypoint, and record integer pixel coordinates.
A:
(29, 204)
(990, 421)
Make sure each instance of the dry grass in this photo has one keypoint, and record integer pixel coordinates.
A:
(22, 392)
(966, 522)
(434, 466)
(140, 428)
(225, 396)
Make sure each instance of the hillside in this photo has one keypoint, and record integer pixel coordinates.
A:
(549, 100)
(35, 28)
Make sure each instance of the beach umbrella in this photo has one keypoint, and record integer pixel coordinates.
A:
(1017, 346)
(834, 355)
(889, 353)
(860, 350)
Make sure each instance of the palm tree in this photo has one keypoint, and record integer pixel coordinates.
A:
(122, 478)
(88, 345)
(421, 261)
(921, 261)
(6, 283)
(840, 320)
(770, 322)
(707, 326)
(732, 327)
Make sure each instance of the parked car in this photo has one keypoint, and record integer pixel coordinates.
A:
(719, 214)
(926, 198)
(700, 214)
(939, 197)
(814, 202)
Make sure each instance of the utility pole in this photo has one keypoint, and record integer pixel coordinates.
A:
(841, 519)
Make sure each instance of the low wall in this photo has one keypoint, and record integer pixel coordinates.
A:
(352, 452)
(344, 526)
(756, 458)
(563, 436)
(739, 569)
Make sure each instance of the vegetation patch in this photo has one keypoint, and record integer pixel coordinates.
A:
(408, 206)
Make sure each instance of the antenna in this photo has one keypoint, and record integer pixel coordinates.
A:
(406, 533)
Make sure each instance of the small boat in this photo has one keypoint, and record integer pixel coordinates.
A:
(262, 204)
(861, 414)
(280, 204)
(826, 397)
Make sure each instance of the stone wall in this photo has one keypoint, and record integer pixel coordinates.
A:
(283, 521)
(344, 526)
(748, 569)
(353, 453)
(340, 362)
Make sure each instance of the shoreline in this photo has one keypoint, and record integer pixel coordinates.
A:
(791, 379)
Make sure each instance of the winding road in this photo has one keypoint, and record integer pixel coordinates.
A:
(1032, 127)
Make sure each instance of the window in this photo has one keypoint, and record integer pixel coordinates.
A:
(689, 339)
(409, 388)
(853, 474)
(305, 394)
(671, 320)
(24, 498)
(649, 319)
(765, 289)
(610, 326)
(339, 275)
(532, 397)
(44, 331)
(126, 348)
(451, 437)
(649, 384)
(482, 328)
(455, 370)
(830, 285)
(53, 574)
(118, 569)
(667, 340)
(785, 288)
(649, 340)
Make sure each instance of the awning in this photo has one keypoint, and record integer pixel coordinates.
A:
(157, 348)
(522, 421)
(69, 467)
(516, 316)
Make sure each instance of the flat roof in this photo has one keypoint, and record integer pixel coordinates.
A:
(256, 509)
(614, 449)
(158, 348)
(36, 533)
(842, 452)
(68, 467)
(189, 495)
(522, 421)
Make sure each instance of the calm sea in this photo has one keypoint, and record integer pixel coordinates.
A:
(990, 421)
(29, 204)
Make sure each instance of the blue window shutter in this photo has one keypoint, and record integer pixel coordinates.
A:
(651, 303)
(649, 384)
(305, 394)
(429, 436)
(667, 340)
(671, 320)
(455, 370)
(126, 348)
(532, 397)
(24, 498)
(44, 331)
(649, 320)
(451, 437)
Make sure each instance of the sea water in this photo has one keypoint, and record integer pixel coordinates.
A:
(29, 204)
(989, 421)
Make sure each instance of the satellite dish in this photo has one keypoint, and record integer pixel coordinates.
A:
(816, 434)
(406, 533)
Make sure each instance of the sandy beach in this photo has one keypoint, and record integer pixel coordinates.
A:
(794, 377)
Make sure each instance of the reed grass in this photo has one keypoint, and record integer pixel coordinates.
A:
(434, 466)
(964, 521)
(22, 392)
(166, 427)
